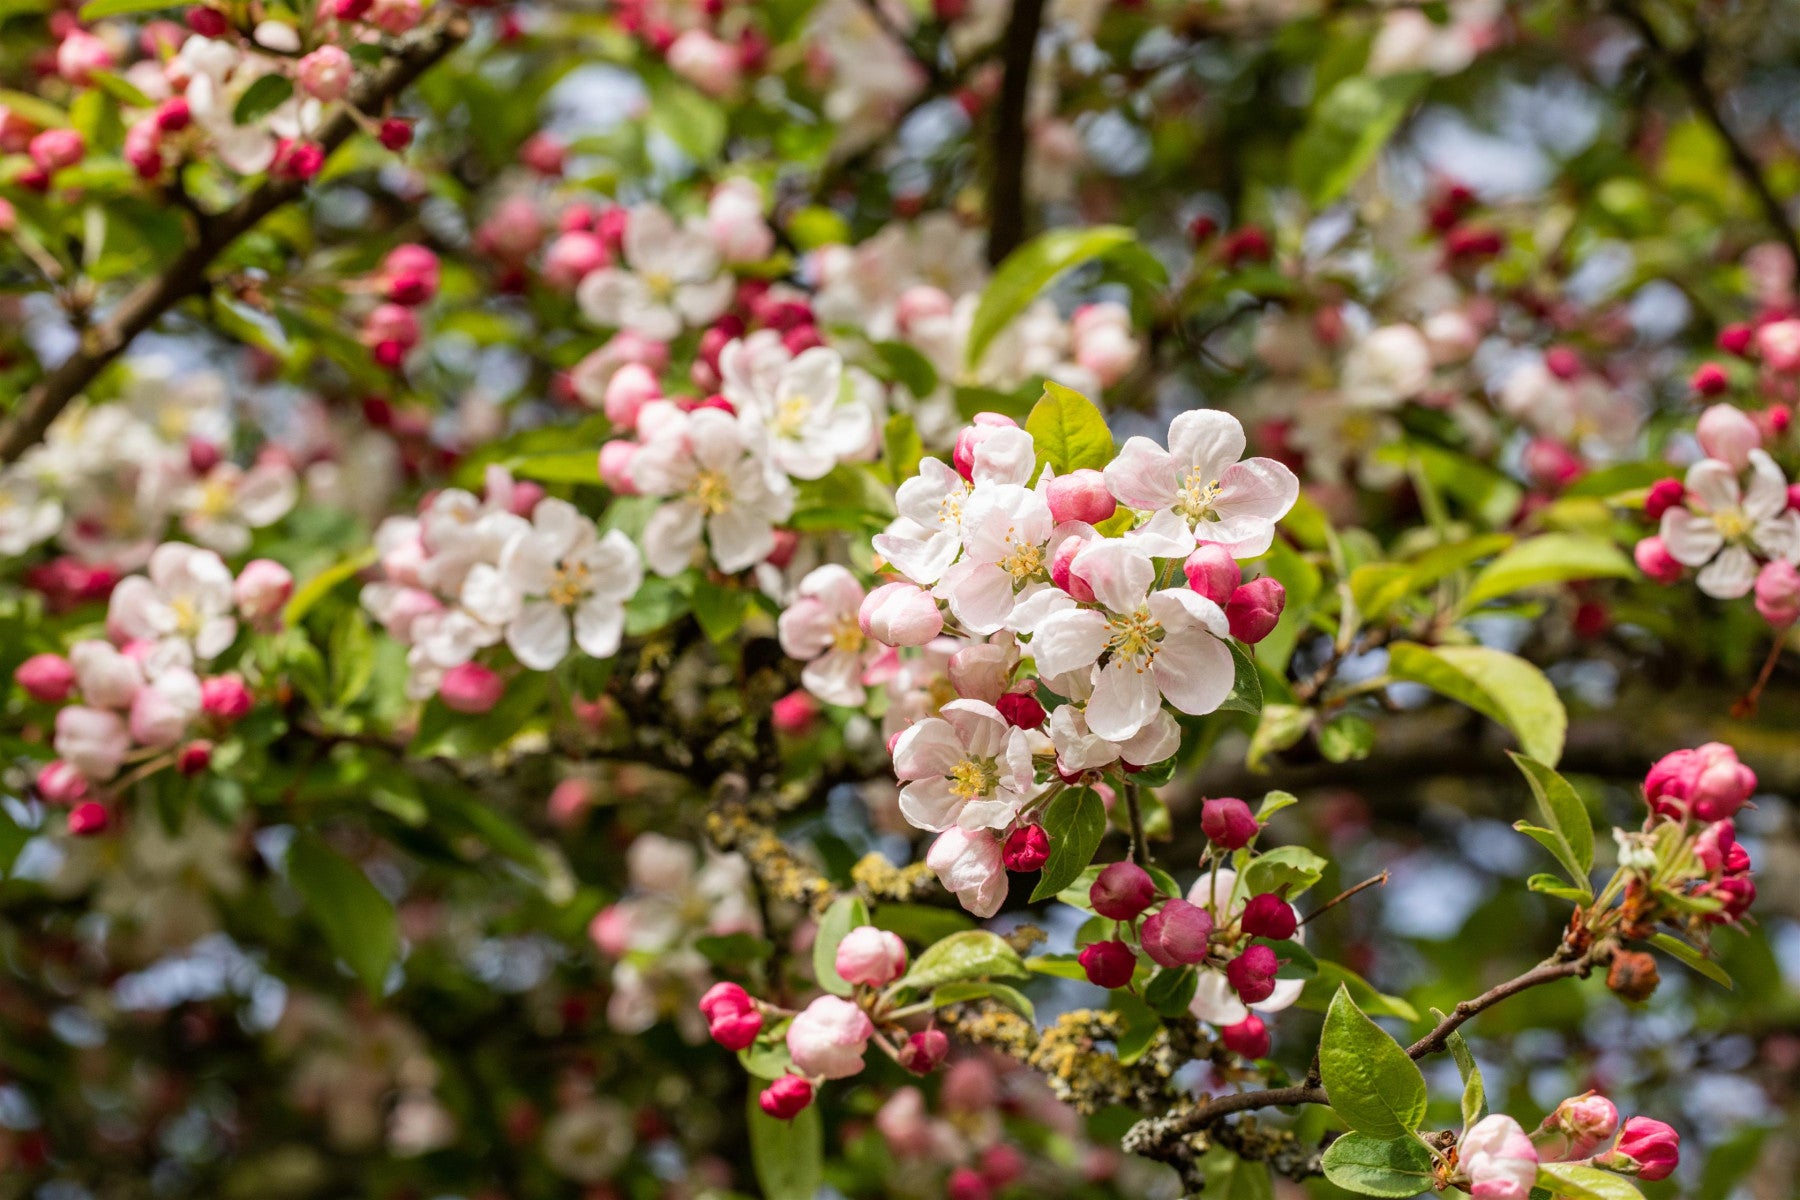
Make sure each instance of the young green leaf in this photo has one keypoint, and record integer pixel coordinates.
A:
(358, 922)
(1068, 431)
(1548, 558)
(845, 914)
(1494, 683)
(1027, 271)
(1565, 816)
(1578, 1182)
(1370, 1081)
(1379, 1166)
(1075, 822)
(974, 954)
(788, 1156)
(1673, 946)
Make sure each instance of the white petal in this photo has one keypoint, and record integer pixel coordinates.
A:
(539, 637)
(1069, 640)
(1206, 440)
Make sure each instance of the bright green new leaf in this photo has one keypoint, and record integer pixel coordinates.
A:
(1564, 815)
(1578, 1182)
(788, 1156)
(1076, 821)
(1370, 1081)
(1494, 683)
(1347, 129)
(358, 922)
(1027, 271)
(1548, 558)
(845, 914)
(1379, 1166)
(974, 954)
(1068, 431)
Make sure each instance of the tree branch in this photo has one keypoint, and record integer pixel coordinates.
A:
(1006, 190)
(1688, 67)
(186, 275)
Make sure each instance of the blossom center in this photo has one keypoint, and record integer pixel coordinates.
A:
(1135, 637)
(974, 777)
(1195, 498)
(713, 492)
(1025, 561)
(1731, 523)
(569, 584)
(846, 634)
(660, 286)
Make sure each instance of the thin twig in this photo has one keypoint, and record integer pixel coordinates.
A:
(1373, 881)
(1006, 190)
(186, 275)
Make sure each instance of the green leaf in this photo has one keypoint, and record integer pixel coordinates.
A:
(358, 922)
(1229, 1177)
(1075, 823)
(93, 10)
(846, 913)
(1580, 1182)
(567, 466)
(720, 609)
(962, 993)
(1379, 1166)
(973, 954)
(901, 447)
(788, 1156)
(734, 949)
(13, 837)
(1280, 726)
(352, 658)
(1289, 870)
(920, 922)
(1671, 945)
(695, 124)
(1068, 431)
(1347, 737)
(34, 109)
(1370, 1081)
(1247, 689)
(1347, 129)
(910, 368)
(1057, 966)
(1320, 990)
(1296, 960)
(261, 98)
(1171, 990)
(1494, 683)
(766, 1058)
(120, 89)
(1474, 1096)
(323, 584)
(1027, 271)
(1548, 558)
(1543, 881)
(1565, 816)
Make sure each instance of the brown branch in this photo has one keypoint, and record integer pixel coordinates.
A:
(186, 275)
(1161, 1137)
(1006, 191)
(1688, 67)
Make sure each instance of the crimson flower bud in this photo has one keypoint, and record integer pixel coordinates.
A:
(786, 1098)
(194, 757)
(1709, 379)
(1027, 848)
(207, 22)
(795, 712)
(88, 817)
(1228, 823)
(1562, 362)
(1176, 934)
(925, 1051)
(1122, 891)
(395, 134)
(1255, 608)
(1654, 560)
(1021, 709)
(225, 697)
(59, 782)
(1664, 495)
(47, 678)
(1736, 892)
(966, 1183)
(1736, 339)
(1252, 974)
(1108, 964)
(1249, 1037)
(1268, 915)
(1213, 573)
(471, 688)
(1646, 1148)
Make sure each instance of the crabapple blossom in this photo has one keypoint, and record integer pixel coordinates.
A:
(1079, 496)
(187, 595)
(706, 465)
(822, 629)
(1653, 558)
(1577, 1127)
(1228, 822)
(260, 592)
(966, 768)
(1212, 572)
(828, 1038)
(871, 957)
(800, 403)
(927, 536)
(734, 218)
(900, 614)
(1026, 848)
(968, 863)
(1255, 609)
(1248, 1037)
(1498, 1158)
(1004, 531)
(670, 279)
(471, 688)
(1080, 749)
(1647, 1148)
(1723, 527)
(1198, 490)
(94, 741)
(925, 1051)
(1388, 367)
(1707, 783)
(1176, 934)
(60, 782)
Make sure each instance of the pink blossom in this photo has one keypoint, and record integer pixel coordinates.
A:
(871, 957)
(734, 217)
(261, 591)
(162, 710)
(828, 1038)
(1228, 823)
(1197, 490)
(1646, 1148)
(92, 740)
(1080, 496)
(1121, 891)
(1212, 572)
(966, 767)
(900, 614)
(1255, 609)
(471, 688)
(967, 863)
(794, 713)
(1778, 593)
(1707, 783)
(823, 629)
(46, 678)
(1498, 1159)
(226, 698)
(1103, 342)
(706, 62)
(1728, 434)
(60, 782)
(572, 257)
(54, 149)
(1248, 1037)
(326, 73)
(1176, 934)
(1778, 343)
(1577, 1127)
(1654, 560)
(615, 466)
(80, 54)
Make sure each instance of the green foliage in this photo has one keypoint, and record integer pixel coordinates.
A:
(1371, 1083)
(1374, 1166)
(1075, 823)
(1492, 682)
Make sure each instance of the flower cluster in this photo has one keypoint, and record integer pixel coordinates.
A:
(1497, 1160)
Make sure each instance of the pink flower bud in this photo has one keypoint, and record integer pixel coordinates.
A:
(392, 324)
(925, 1051)
(1577, 1127)
(1268, 915)
(1707, 783)
(786, 1097)
(1664, 494)
(1736, 339)
(1653, 558)
(1176, 934)
(54, 149)
(80, 54)
(1249, 1037)
(1646, 1148)
(572, 257)
(1255, 608)
(1728, 434)
(1252, 973)
(1080, 496)
(631, 387)
(1108, 964)
(262, 590)
(828, 1037)
(325, 74)
(1228, 823)
(871, 957)
(969, 441)
(966, 1183)
(59, 782)
(1714, 845)
(705, 61)
(46, 678)
(1213, 573)
(409, 274)
(1122, 891)
(1022, 709)
(471, 688)
(900, 614)
(194, 757)
(1710, 379)
(395, 133)
(795, 712)
(1778, 593)
(225, 698)
(88, 818)
(724, 997)
(1063, 576)
(160, 714)
(1002, 1165)
(1736, 892)
(1779, 344)
(615, 466)
(1026, 849)
(1550, 464)
(1499, 1159)
(1562, 362)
